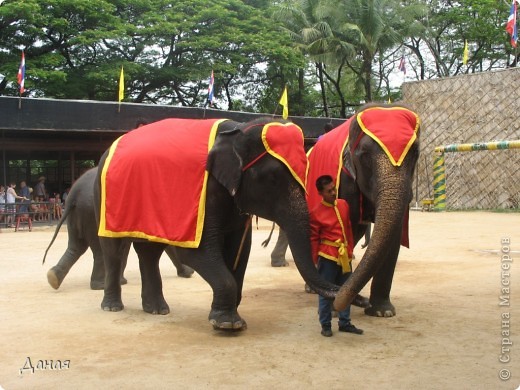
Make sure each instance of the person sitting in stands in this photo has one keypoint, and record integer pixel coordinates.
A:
(57, 211)
(34, 208)
(44, 211)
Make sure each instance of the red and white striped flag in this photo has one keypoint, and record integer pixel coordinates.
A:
(21, 74)
(402, 65)
(511, 23)
(211, 88)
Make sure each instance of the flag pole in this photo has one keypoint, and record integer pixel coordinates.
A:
(21, 80)
(275, 109)
(121, 91)
(211, 91)
(284, 102)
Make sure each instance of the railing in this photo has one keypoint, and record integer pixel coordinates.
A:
(40, 213)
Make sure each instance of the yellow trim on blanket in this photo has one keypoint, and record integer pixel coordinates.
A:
(102, 221)
(307, 168)
(277, 156)
(137, 234)
(340, 162)
(383, 146)
(202, 201)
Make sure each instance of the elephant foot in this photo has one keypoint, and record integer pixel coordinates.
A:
(184, 272)
(158, 306)
(383, 308)
(279, 263)
(112, 304)
(224, 320)
(361, 301)
(54, 278)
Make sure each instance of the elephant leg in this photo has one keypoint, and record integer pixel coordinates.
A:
(183, 271)
(97, 278)
(126, 251)
(380, 305)
(74, 251)
(279, 251)
(223, 314)
(227, 281)
(112, 248)
(151, 294)
(238, 266)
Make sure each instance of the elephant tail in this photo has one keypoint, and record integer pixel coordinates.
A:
(268, 239)
(60, 222)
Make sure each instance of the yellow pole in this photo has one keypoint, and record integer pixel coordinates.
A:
(439, 183)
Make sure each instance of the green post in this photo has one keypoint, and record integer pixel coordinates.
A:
(439, 183)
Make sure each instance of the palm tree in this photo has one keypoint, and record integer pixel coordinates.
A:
(311, 33)
(367, 25)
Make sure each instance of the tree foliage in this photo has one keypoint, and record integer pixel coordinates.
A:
(332, 54)
(168, 49)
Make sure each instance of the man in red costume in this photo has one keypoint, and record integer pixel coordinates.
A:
(332, 246)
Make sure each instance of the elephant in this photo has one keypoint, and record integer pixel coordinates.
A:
(244, 178)
(82, 230)
(379, 191)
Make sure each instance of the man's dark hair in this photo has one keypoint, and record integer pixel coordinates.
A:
(322, 181)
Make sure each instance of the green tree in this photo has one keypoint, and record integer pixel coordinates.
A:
(436, 39)
(168, 49)
(309, 27)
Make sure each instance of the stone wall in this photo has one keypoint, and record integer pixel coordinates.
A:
(471, 108)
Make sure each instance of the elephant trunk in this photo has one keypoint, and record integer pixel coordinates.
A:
(391, 202)
(296, 226)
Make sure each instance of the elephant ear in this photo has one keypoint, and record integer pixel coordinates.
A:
(347, 163)
(224, 163)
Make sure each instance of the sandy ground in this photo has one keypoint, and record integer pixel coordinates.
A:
(448, 332)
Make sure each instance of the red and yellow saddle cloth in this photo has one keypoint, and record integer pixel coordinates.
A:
(285, 142)
(153, 183)
(393, 128)
(326, 158)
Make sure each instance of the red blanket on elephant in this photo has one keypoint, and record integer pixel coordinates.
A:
(325, 158)
(153, 183)
(285, 142)
(393, 128)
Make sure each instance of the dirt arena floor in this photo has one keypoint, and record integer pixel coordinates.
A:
(450, 331)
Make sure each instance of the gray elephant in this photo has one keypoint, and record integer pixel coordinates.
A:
(82, 232)
(376, 180)
(246, 175)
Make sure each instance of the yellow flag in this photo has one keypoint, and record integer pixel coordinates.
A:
(285, 104)
(121, 85)
(466, 53)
